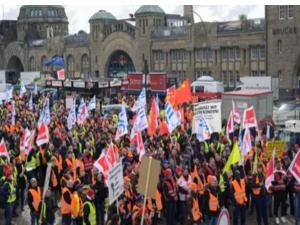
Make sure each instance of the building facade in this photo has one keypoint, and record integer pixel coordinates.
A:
(168, 42)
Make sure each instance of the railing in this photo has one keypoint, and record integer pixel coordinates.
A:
(241, 26)
(170, 32)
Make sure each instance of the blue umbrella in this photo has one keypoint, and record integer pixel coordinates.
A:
(56, 61)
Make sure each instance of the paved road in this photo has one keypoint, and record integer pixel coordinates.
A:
(24, 219)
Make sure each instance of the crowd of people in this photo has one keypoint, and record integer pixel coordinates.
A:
(192, 188)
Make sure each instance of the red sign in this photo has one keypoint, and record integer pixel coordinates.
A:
(158, 81)
(134, 82)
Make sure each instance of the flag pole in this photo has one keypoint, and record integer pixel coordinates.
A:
(146, 191)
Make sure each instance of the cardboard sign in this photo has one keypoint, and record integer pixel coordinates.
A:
(115, 182)
(211, 111)
(279, 147)
(149, 177)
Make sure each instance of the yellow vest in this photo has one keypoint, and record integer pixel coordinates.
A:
(92, 216)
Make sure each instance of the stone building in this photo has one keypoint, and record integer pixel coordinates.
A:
(168, 42)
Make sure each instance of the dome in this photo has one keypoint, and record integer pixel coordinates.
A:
(102, 15)
(149, 9)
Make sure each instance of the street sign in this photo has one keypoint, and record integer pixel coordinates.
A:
(115, 182)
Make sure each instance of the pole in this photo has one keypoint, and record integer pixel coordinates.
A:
(146, 191)
(118, 207)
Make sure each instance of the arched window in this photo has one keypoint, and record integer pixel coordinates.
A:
(43, 67)
(85, 65)
(31, 64)
(70, 66)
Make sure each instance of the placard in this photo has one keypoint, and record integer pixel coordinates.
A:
(79, 84)
(211, 111)
(115, 182)
(56, 83)
(279, 147)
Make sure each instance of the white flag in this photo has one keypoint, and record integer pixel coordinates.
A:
(30, 103)
(140, 102)
(171, 117)
(35, 89)
(122, 124)
(204, 130)
(9, 94)
(72, 116)
(13, 113)
(22, 90)
(141, 122)
(45, 113)
(92, 103)
(82, 114)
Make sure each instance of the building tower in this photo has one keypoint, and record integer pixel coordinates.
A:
(188, 13)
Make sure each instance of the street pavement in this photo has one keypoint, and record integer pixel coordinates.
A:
(24, 219)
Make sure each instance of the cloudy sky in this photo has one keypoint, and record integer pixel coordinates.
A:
(79, 15)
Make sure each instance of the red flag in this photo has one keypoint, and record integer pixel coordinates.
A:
(229, 127)
(102, 165)
(152, 121)
(29, 142)
(163, 128)
(43, 134)
(171, 95)
(183, 93)
(3, 149)
(249, 119)
(140, 146)
(61, 74)
(111, 155)
(236, 115)
(295, 167)
(270, 171)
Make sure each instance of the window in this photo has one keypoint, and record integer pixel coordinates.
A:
(231, 53)
(290, 11)
(40, 12)
(254, 52)
(262, 52)
(31, 64)
(231, 78)
(237, 53)
(281, 12)
(245, 56)
(254, 73)
(262, 73)
(237, 76)
(279, 46)
(224, 78)
(85, 65)
(224, 54)
(70, 66)
(32, 13)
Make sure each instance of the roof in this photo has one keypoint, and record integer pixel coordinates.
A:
(149, 9)
(249, 92)
(102, 15)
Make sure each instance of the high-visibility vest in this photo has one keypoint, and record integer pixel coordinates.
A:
(65, 207)
(222, 183)
(206, 147)
(158, 202)
(92, 216)
(149, 204)
(32, 164)
(76, 206)
(213, 203)
(72, 164)
(36, 195)
(80, 164)
(240, 191)
(12, 194)
(195, 210)
(256, 191)
(54, 179)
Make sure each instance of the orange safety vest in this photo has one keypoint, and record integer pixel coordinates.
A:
(54, 179)
(65, 207)
(213, 203)
(256, 191)
(80, 164)
(240, 191)
(76, 206)
(72, 164)
(36, 195)
(149, 204)
(158, 201)
(195, 210)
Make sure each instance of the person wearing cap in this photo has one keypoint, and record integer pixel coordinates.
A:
(238, 190)
(77, 204)
(34, 199)
(170, 196)
(89, 209)
(66, 198)
(260, 194)
(9, 192)
(184, 191)
(212, 197)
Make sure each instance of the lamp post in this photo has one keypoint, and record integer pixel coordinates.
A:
(146, 72)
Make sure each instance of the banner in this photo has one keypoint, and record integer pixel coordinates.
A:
(295, 167)
(115, 182)
(211, 111)
(69, 101)
(279, 147)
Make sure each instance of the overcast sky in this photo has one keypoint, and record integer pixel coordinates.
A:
(79, 15)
